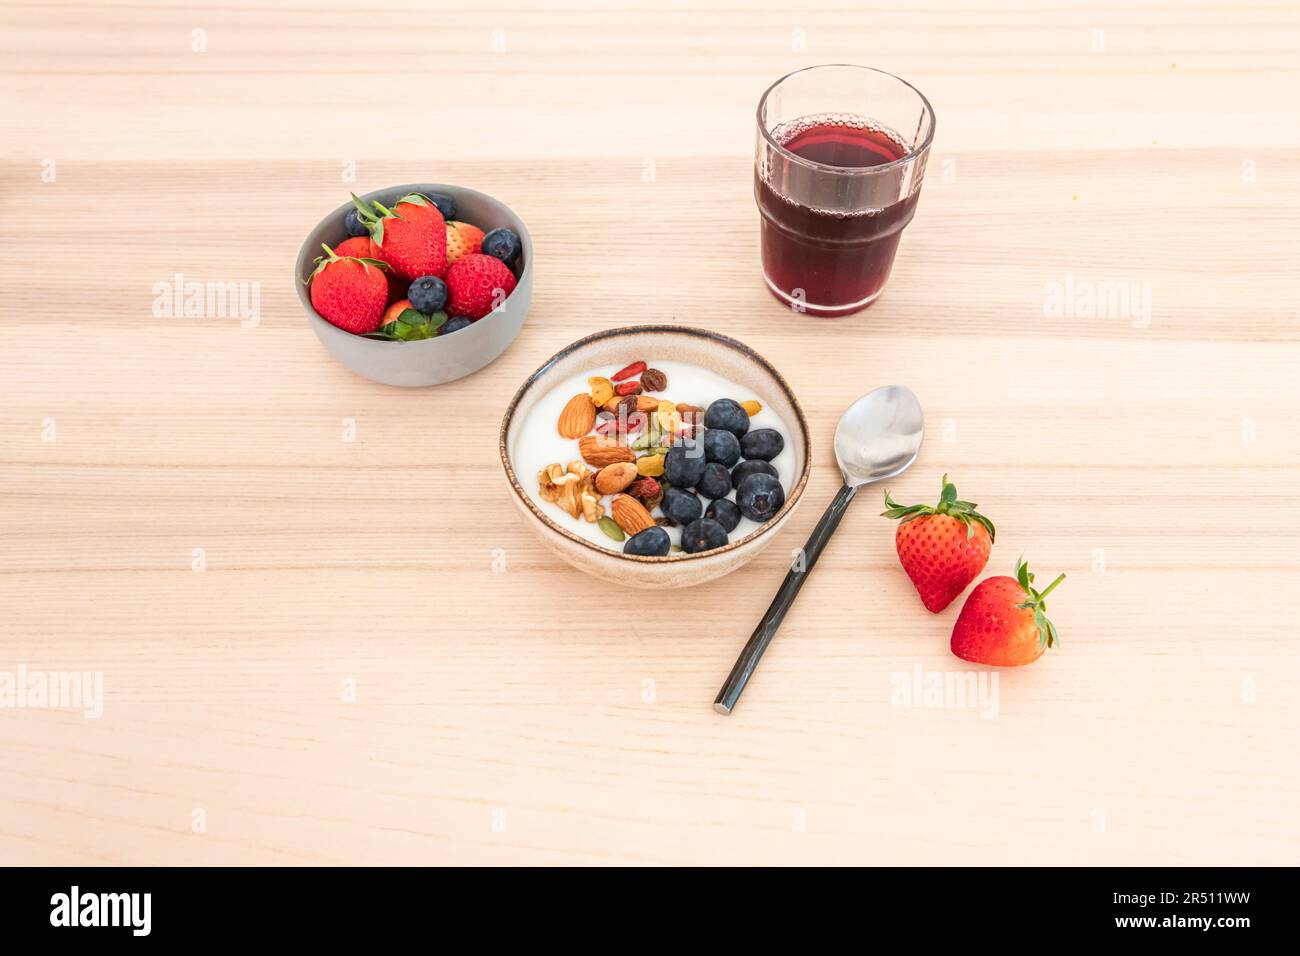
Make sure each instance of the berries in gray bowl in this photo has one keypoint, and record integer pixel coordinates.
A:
(353, 225)
(428, 294)
(501, 244)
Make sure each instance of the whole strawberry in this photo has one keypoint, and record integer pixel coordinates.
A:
(411, 237)
(463, 239)
(349, 292)
(943, 548)
(1004, 621)
(478, 284)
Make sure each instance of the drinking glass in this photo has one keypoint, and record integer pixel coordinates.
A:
(837, 173)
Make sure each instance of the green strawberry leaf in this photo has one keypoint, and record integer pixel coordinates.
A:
(949, 504)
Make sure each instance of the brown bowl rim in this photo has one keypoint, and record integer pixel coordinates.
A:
(791, 498)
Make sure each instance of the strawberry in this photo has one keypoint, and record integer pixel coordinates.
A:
(349, 291)
(402, 323)
(397, 288)
(358, 247)
(477, 283)
(394, 310)
(463, 239)
(943, 548)
(1004, 621)
(411, 237)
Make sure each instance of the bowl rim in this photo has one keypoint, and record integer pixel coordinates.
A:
(632, 330)
(305, 256)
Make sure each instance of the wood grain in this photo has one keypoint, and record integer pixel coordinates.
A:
(493, 722)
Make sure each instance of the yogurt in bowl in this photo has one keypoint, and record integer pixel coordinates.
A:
(632, 487)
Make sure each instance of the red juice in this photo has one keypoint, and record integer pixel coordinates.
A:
(832, 259)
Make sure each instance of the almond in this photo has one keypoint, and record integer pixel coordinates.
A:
(601, 451)
(577, 417)
(630, 514)
(614, 478)
(646, 403)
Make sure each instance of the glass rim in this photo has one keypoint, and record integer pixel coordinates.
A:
(846, 170)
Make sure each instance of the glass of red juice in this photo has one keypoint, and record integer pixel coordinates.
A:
(837, 172)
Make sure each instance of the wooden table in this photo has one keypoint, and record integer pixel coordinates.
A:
(323, 650)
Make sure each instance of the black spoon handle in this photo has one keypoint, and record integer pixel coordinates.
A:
(767, 628)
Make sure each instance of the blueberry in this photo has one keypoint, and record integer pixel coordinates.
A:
(652, 543)
(747, 468)
(353, 224)
(446, 205)
(722, 446)
(681, 506)
(725, 513)
(704, 534)
(456, 324)
(762, 443)
(428, 294)
(501, 244)
(759, 497)
(716, 481)
(684, 464)
(727, 415)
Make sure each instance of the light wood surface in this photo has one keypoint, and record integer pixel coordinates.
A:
(530, 715)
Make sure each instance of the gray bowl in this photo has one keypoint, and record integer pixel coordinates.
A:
(427, 361)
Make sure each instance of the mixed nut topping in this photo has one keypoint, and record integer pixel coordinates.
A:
(640, 453)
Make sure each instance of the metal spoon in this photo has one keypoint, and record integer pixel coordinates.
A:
(878, 437)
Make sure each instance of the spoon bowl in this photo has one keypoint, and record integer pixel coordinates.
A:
(879, 435)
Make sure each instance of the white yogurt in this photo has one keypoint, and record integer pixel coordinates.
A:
(539, 444)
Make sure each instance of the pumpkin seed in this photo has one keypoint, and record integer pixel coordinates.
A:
(611, 528)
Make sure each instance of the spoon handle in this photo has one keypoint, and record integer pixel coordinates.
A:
(767, 628)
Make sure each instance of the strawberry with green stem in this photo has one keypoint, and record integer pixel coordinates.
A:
(1004, 621)
(348, 291)
(411, 237)
(402, 323)
(942, 548)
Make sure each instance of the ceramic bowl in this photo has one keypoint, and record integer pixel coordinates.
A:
(427, 361)
(730, 359)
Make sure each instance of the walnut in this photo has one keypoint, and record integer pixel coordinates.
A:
(572, 488)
